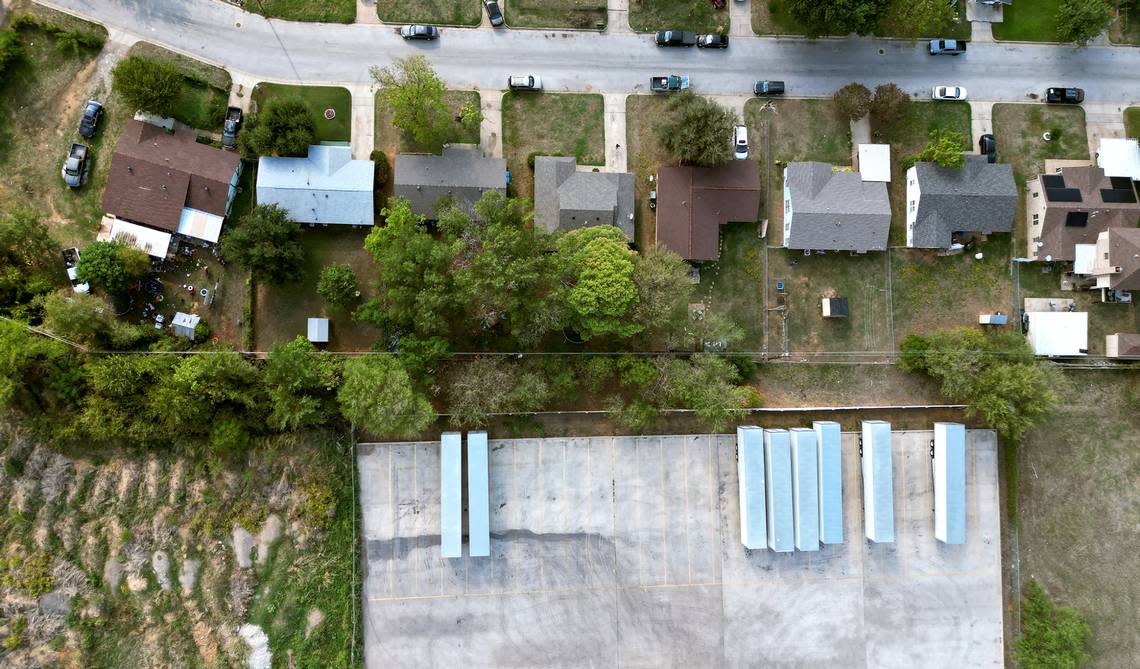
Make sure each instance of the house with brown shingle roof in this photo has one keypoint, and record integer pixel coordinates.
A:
(168, 181)
(1073, 206)
(694, 202)
(1116, 262)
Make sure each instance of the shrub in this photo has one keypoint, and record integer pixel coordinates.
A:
(1051, 636)
(148, 84)
(10, 50)
(337, 285)
(383, 169)
(852, 102)
(532, 155)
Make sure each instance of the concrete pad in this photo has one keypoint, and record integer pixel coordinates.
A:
(1102, 120)
(491, 129)
(617, 16)
(366, 12)
(363, 121)
(981, 122)
(615, 135)
(625, 551)
(982, 31)
(740, 18)
(977, 12)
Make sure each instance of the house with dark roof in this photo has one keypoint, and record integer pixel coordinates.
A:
(1072, 207)
(566, 198)
(834, 209)
(167, 180)
(325, 187)
(979, 197)
(1115, 265)
(694, 202)
(461, 174)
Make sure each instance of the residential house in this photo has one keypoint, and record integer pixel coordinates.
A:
(1122, 346)
(167, 180)
(326, 187)
(693, 202)
(462, 174)
(566, 198)
(834, 209)
(1119, 157)
(1115, 264)
(979, 197)
(1072, 207)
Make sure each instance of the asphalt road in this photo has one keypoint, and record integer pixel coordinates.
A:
(585, 61)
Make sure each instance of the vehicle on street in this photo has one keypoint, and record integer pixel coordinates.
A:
(419, 31)
(675, 38)
(987, 146)
(947, 47)
(76, 167)
(524, 82)
(948, 93)
(71, 261)
(740, 142)
(92, 112)
(231, 126)
(493, 12)
(668, 84)
(712, 41)
(764, 87)
(1065, 96)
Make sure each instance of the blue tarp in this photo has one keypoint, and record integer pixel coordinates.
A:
(750, 472)
(478, 504)
(830, 471)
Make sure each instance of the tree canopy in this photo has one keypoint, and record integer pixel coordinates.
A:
(836, 17)
(112, 266)
(301, 384)
(378, 396)
(415, 94)
(1052, 637)
(696, 130)
(490, 385)
(30, 260)
(266, 242)
(598, 267)
(148, 84)
(284, 127)
(1082, 21)
(664, 290)
(944, 148)
(337, 285)
(11, 50)
(889, 104)
(852, 102)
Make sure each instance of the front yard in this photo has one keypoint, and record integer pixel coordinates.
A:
(328, 11)
(579, 14)
(205, 90)
(772, 17)
(1034, 21)
(442, 12)
(554, 124)
(696, 15)
(1019, 128)
(1132, 122)
(318, 99)
(392, 140)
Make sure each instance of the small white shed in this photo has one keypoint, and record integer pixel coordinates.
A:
(319, 330)
(875, 162)
(184, 324)
(1058, 333)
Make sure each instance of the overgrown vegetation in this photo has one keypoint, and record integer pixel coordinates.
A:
(696, 130)
(1052, 637)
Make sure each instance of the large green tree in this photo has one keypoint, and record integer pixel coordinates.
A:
(836, 17)
(267, 243)
(415, 94)
(30, 262)
(598, 268)
(11, 50)
(377, 395)
(117, 406)
(148, 84)
(36, 373)
(90, 320)
(1052, 637)
(285, 127)
(337, 285)
(706, 383)
(483, 387)
(206, 389)
(696, 130)
(301, 383)
(944, 148)
(112, 266)
(664, 290)
(1082, 21)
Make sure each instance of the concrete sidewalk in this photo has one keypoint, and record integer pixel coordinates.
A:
(981, 119)
(363, 121)
(491, 130)
(366, 12)
(740, 16)
(617, 16)
(615, 135)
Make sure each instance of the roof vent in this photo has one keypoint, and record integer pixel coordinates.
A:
(163, 186)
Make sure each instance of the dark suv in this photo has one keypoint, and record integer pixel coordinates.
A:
(675, 38)
(92, 112)
(1067, 96)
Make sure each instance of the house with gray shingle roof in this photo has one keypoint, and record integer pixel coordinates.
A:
(834, 209)
(459, 173)
(326, 187)
(941, 201)
(566, 199)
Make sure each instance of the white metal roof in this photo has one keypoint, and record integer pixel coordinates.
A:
(878, 482)
(1119, 157)
(154, 242)
(750, 472)
(451, 495)
(200, 225)
(327, 186)
(875, 162)
(805, 489)
(949, 468)
(185, 320)
(318, 330)
(830, 472)
(1059, 333)
(778, 481)
(1084, 255)
(478, 496)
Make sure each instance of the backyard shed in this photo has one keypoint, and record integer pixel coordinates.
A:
(184, 324)
(830, 471)
(318, 330)
(805, 488)
(948, 465)
(778, 482)
(878, 482)
(478, 501)
(451, 495)
(750, 472)
(835, 307)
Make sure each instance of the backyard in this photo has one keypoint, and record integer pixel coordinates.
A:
(579, 14)
(734, 285)
(1029, 22)
(318, 99)
(645, 156)
(328, 11)
(441, 12)
(1043, 279)
(555, 124)
(696, 15)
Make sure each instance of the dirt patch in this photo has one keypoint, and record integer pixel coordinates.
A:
(177, 481)
(313, 620)
(151, 479)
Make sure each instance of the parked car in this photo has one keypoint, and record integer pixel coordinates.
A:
(768, 88)
(493, 12)
(524, 82)
(675, 38)
(668, 84)
(71, 261)
(948, 93)
(987, 146)
(76, 167)
(947, 47)
(231, 126)
(1066, 96)
(92, 112)
(712, 41)
(740, 142)
(419, 31)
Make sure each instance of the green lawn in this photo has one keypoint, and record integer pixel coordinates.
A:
(392, 140)
(328, 11)
(318, 99)
(1034, 21)
(440, 12)
(555, 13)
(771, 17)
(557, 124)
(645, 155)
(1132, 121)
(695, 15)
(1019, 128)
(734, 285)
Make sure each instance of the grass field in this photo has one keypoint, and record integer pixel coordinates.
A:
(281, 312)
(695, 15)
(1080, 506)
(445, 12)
(645, 156)
(327, 11)
(558, 124)
(734, 285)
(1029, 22)
(555, 13)
(318, 99)
(391, 140)
(1132, 121)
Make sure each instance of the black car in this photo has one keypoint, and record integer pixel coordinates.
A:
(987, 146)
(712, 42)
(231, 126)
(419, 31)
(1067, 96)
(675, 38)
(92, 112)
(493, 12)
(768, 88)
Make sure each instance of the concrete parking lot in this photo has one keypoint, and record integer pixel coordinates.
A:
(625, 551)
